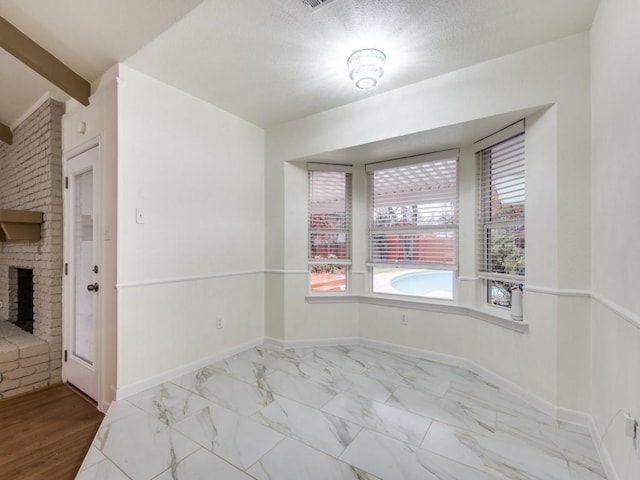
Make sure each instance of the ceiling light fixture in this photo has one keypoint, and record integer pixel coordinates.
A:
(313, 4)
(366, 67)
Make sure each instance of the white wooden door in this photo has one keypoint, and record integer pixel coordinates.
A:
(81, 334)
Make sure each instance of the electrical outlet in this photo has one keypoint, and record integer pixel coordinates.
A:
(218, 323)
(404, 320)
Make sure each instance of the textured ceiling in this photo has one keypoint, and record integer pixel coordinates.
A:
(270, 61)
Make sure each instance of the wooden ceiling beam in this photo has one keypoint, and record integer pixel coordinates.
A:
(5, 134)
(38, 59)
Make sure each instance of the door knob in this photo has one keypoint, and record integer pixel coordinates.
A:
(93, 287)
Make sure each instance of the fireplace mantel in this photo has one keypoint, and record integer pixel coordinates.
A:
(20, 225)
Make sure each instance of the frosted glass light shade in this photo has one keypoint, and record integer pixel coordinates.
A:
(366, 67)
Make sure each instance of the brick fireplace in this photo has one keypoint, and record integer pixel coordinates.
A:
(31, 271)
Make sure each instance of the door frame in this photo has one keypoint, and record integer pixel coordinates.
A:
(67, 286)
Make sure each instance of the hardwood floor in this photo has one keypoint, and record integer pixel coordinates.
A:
(45, 435)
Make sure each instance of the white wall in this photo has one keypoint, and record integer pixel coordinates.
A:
(615, 43)
(546, 361)
(197, 172)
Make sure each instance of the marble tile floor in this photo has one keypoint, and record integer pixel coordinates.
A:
(334, 413)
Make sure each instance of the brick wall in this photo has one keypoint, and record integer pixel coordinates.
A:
(31, 179)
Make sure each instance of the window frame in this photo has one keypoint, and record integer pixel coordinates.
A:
(441, 228)
(346, 262)
(484, 224)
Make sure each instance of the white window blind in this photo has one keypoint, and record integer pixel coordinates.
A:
(501, 213)
(329, 214)
(413, 211)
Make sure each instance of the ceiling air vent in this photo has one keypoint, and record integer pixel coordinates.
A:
(314, 4)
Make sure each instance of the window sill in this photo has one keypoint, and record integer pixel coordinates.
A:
(332, 298)
(428, 306)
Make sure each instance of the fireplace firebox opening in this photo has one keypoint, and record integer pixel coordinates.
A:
(21, 308)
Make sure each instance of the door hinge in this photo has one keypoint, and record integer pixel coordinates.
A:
(65, 355)
(66, 269)
(66, 182)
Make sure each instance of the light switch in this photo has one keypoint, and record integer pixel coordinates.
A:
(140, 218)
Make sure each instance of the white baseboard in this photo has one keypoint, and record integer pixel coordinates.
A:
(507, 385)
(278, 344)
(514, 389)
(605, 458)
(142, 385)
(104, 406)
(573, 416)
(106, 403)
(413, 352)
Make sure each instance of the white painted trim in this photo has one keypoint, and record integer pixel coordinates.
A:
(501, 135)
(468, 279)
(510, 387)
(329, 167)
(336, 298)
(453, 153)
(627, 315)
(278, 344)
(411, 303)
(605, 458)
(575, 417)
(193, 278)
(105, 404)
(88, 144)
(287, 272)
(142, 385)
(444, 358)
(559, 292)
(274, 343)
(38, 103)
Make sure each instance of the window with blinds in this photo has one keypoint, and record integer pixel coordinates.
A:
(413, 224)
(501, 213)
(329, 227)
